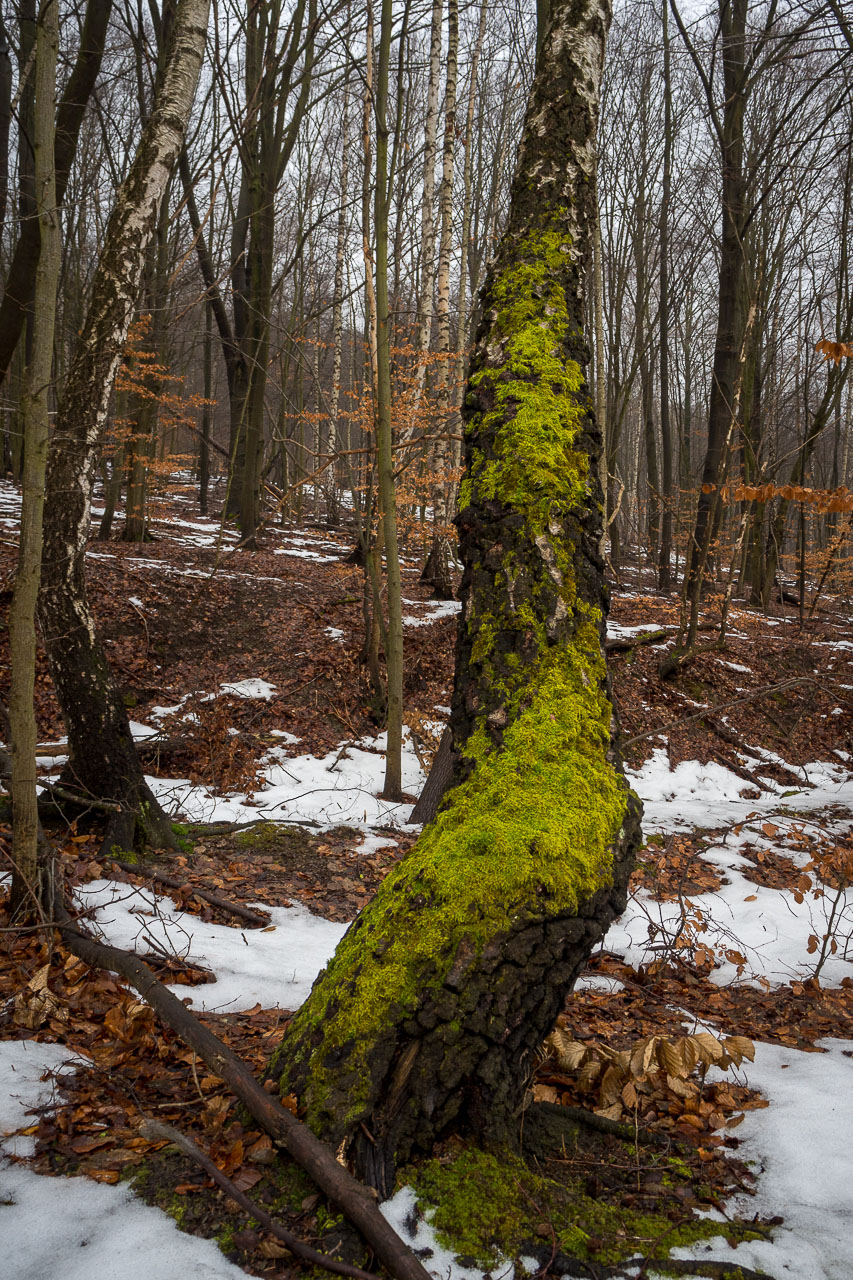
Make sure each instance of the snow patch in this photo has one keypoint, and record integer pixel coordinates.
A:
(274, 967)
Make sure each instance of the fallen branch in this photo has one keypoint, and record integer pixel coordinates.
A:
(307, 1150)
(172, 882)
(84, 802)
(618, 644)
(693, 1267)
(721, 706)
(156, 1131)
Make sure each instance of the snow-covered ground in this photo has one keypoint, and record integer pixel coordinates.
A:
(339, 789)
(73, 1228)
(65, 1229)
(272, 967)
(801, 1143)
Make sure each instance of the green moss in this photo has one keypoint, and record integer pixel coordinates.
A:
(537, 414)
(535, 822)
(487, 1207)
(531, 832)
(181, 833)
(475, 1203)
(176, 1207)
(269, 835)
(225, 1237)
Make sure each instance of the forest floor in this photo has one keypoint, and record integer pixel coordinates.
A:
(714, 1027)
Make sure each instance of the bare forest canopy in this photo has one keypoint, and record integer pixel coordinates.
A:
(250, 356)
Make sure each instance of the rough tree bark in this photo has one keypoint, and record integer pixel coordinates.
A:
(103, 759)
(393, 785)
(438, 996)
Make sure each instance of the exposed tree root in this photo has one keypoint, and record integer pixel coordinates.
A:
(254, 918)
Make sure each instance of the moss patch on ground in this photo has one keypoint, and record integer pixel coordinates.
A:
(486, 1207)
(285, 1191)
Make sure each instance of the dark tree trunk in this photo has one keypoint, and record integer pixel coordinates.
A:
(438, 569)
(667, 494)
(69, 115)
(724, 391)
(435, 1003)
(5, 120)
(206, 415)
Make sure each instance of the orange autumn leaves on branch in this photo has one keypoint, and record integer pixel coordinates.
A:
(835, 351)
(823, 500)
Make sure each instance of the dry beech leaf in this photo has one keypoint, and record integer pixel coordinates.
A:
(272, 1249)
(741, 1046)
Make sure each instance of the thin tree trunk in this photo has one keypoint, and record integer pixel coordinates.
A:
(69, 116)
(437, 571)
(31, 878)
(600, 374)
(340, 270)
(5, 120)
(206, 414)
(730, 306)
(427, 252)
(463, 322)
(393, 786)
(667, 494)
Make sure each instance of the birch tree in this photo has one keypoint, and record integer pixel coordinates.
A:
(102, 759)
(439, 994)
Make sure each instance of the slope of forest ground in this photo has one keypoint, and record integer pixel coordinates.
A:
(711, 1039)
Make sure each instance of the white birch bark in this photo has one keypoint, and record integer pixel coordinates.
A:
(437, 569)
(103, 759)
(427, 254)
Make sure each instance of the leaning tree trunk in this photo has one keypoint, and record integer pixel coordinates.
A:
(102, 757)
(437, 998)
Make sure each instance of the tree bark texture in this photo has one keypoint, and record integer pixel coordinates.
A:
(103, 760)
(393, 785)
(432, 1009)
(668, 494)
(437, 571)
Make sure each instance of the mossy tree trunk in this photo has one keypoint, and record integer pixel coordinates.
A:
(432, 1009)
